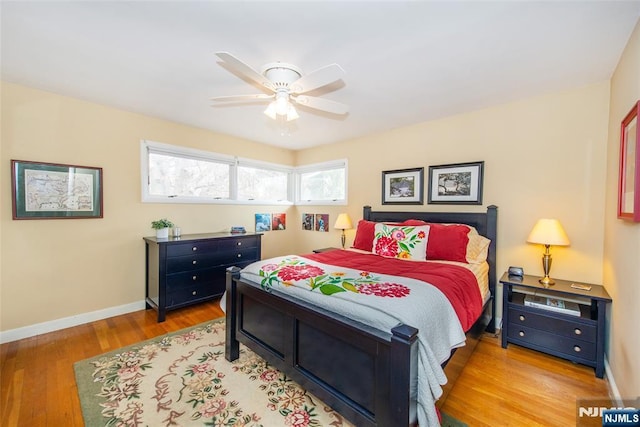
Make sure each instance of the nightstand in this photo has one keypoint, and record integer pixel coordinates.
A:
(578, 337)
(319, 251)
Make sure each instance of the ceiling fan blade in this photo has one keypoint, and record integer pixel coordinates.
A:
(321, 104)
(318, 78)
(243, 97)
(242, 68)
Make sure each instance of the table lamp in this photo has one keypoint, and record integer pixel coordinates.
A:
(548, 232)
(343, 223)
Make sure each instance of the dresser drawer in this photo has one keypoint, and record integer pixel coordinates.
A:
(572, 348)
(560, 326)
(189, 278)
(191, 292)
(238, 243)
(193, 262)
(239, 256)
(196, 247)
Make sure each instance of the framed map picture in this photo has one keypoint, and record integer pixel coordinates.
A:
(55, 191)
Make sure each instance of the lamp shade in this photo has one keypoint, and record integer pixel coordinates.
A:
(548, 232)
(343, 222)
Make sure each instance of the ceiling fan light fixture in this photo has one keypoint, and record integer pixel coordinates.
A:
(271, 110)
(282, 105)
(292, 114)
(287, 85)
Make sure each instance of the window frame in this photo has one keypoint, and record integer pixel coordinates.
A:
(319, 167)
(293, 176)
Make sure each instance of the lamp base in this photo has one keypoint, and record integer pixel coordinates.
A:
(547, 281)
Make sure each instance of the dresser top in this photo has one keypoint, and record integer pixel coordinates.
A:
(200, 236)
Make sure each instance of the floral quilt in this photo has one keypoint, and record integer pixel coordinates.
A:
(379, 300)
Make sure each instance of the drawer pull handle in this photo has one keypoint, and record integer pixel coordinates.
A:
(521, 333)
(193, 293)
(239, 255)
(577, 348)
(195, 248)
(194, 262)
(577, 331)
(194, 277)
(239, 243)
(521, 318)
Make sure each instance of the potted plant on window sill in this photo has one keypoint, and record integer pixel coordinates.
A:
(162, 228)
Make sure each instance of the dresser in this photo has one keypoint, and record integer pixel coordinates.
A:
(186, 270)
(577, 335)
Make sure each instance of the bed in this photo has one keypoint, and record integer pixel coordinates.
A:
(372, 375)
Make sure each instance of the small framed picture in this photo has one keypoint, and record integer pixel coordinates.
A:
(456, 184)
(263, 222)
(307, 221)
(403, 187)
(55, 191)
(279, 221)
(322, 222)
(629, 172)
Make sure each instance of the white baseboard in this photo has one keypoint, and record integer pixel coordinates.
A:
(67, 322)
(614, 393)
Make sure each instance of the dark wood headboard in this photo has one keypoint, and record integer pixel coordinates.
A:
(485, 222)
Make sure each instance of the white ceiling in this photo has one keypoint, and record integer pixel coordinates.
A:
(405, 61)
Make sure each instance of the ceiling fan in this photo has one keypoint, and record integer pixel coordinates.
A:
(287, 85)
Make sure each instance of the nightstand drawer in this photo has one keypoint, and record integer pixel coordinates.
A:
(553, 324)
(572, 348)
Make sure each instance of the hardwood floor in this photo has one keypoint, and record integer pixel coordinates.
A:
(513, 387)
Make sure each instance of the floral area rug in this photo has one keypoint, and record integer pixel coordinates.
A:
(183, 379)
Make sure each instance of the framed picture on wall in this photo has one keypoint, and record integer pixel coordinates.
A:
(456, 184)
(307, 221)
(263, 222)
(55, 191)
(629, 171)
(403, 187)
(322, 222)
(279, 221)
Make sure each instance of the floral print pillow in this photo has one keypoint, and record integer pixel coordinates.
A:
(396, 241)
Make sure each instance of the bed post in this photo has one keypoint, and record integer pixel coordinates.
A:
(492, 231)
(403, 369)
(366, 212)
(231, 345)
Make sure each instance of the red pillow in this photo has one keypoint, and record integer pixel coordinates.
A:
(448, 242)
(415, 222)
(364, 235)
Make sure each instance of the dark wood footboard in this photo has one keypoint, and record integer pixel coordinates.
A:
(362, 373)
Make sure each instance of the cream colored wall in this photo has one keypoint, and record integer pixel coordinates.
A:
(52, 269)
(544, 157)
(622, 238)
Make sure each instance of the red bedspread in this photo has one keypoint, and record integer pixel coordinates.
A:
(458, 284)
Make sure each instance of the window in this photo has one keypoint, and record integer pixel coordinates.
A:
(172, 174)
(322, 184)
(263, 182)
